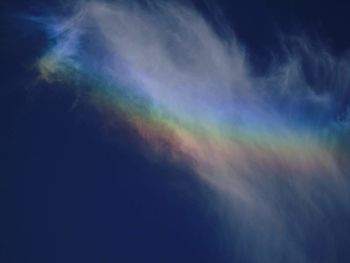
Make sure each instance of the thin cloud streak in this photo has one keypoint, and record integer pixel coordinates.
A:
(269, 144)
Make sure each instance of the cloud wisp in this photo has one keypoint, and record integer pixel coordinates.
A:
(270, 144)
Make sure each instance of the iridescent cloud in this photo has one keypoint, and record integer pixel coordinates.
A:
(193, 95)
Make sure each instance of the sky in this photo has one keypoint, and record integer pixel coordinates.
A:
(175, 131)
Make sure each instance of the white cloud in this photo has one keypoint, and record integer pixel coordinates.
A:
(261, 143)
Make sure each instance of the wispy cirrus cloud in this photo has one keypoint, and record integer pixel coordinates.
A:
(271, 144)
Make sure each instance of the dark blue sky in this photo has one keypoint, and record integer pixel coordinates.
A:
(69, 194)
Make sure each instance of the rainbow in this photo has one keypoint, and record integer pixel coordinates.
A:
(217, 145)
